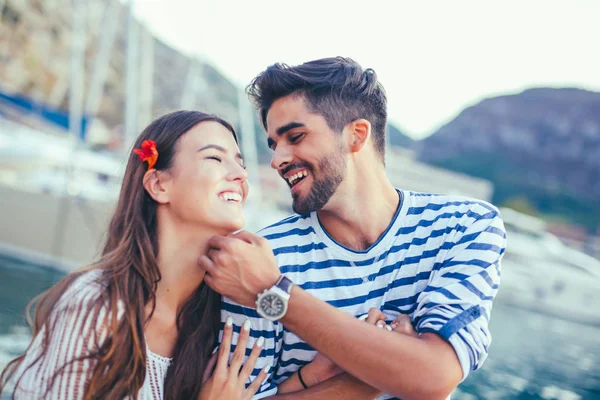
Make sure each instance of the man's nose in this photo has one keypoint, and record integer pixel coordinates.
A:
(281, 157)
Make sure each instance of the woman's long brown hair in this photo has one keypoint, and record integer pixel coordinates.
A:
(130, 275)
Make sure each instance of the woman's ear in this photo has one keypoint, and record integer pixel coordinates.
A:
(360, 131)
(155, 183)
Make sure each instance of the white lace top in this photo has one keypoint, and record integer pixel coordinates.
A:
(156, 372)
(74, 334)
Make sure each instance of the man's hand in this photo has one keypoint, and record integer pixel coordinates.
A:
(319, 370)
(240, 266)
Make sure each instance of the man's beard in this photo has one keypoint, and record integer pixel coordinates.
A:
(333, 170)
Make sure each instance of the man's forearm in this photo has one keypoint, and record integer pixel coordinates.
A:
(407, 367)
(341, 387)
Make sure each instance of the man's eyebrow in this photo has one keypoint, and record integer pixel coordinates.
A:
(220, 148)
(283, 129)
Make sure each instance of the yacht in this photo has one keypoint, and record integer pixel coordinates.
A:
(542, 274)
(56, 200)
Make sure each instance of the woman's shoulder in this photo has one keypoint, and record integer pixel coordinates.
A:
(86, 288)
(84, 307)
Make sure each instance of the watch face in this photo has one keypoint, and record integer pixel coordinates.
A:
(272, 305)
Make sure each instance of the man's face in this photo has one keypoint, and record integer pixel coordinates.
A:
(307, 153)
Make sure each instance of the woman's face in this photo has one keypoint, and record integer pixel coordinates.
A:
(208, 181)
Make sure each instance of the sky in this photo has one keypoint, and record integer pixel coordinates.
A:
(434, 58)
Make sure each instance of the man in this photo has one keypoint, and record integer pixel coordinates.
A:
(357, 243)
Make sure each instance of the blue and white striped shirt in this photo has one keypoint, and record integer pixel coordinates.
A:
(438, 261)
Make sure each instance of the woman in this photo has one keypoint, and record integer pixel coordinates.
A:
(140, 323)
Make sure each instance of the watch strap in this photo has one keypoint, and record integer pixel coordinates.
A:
(285, 284)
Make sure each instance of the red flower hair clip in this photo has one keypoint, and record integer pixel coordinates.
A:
(148, 153)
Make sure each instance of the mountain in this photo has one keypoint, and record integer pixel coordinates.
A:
(35, 49)
(541, 146)
(35, 46)
(398, 139)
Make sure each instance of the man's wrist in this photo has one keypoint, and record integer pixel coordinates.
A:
(272, 303)
(273, 282)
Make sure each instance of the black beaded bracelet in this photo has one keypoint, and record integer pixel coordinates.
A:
(300, 378)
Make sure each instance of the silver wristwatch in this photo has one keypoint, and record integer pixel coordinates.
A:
(272, 304)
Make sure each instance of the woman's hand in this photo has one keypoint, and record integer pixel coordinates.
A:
(402, 324)
(228, 381)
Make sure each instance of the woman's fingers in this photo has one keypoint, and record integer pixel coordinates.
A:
(374, 316)
(225, 347)
(377, 317)
(381, 324)
(402, 324)
(240, 349)
(255, 385)
(251, 361)
(209, 367)
(229, 375)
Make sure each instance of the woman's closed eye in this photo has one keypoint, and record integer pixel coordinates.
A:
(219, 159)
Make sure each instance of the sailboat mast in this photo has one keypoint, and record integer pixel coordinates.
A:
(131, 79)
(106, 38)
(77, 69)
(249, 149)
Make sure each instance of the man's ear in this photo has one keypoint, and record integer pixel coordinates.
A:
(155, 183)
(360, 131)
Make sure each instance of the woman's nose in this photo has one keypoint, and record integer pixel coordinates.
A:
(238, 173)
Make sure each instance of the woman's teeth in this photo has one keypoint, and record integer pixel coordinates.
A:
(231, 196)
(292, 179)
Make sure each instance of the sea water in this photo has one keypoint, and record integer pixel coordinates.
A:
(533, 356)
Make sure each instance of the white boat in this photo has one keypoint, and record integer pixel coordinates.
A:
(542, 274)
(56, 217)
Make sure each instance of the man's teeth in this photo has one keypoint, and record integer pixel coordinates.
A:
(231, 196)
(295, 177)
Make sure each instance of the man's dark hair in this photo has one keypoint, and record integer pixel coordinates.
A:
(336, 88)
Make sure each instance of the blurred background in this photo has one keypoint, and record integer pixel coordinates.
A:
(494, 100)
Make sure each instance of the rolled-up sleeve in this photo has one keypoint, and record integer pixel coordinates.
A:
(457, 301)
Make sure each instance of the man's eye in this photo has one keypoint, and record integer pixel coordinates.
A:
(295, 138)
(214, 158)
